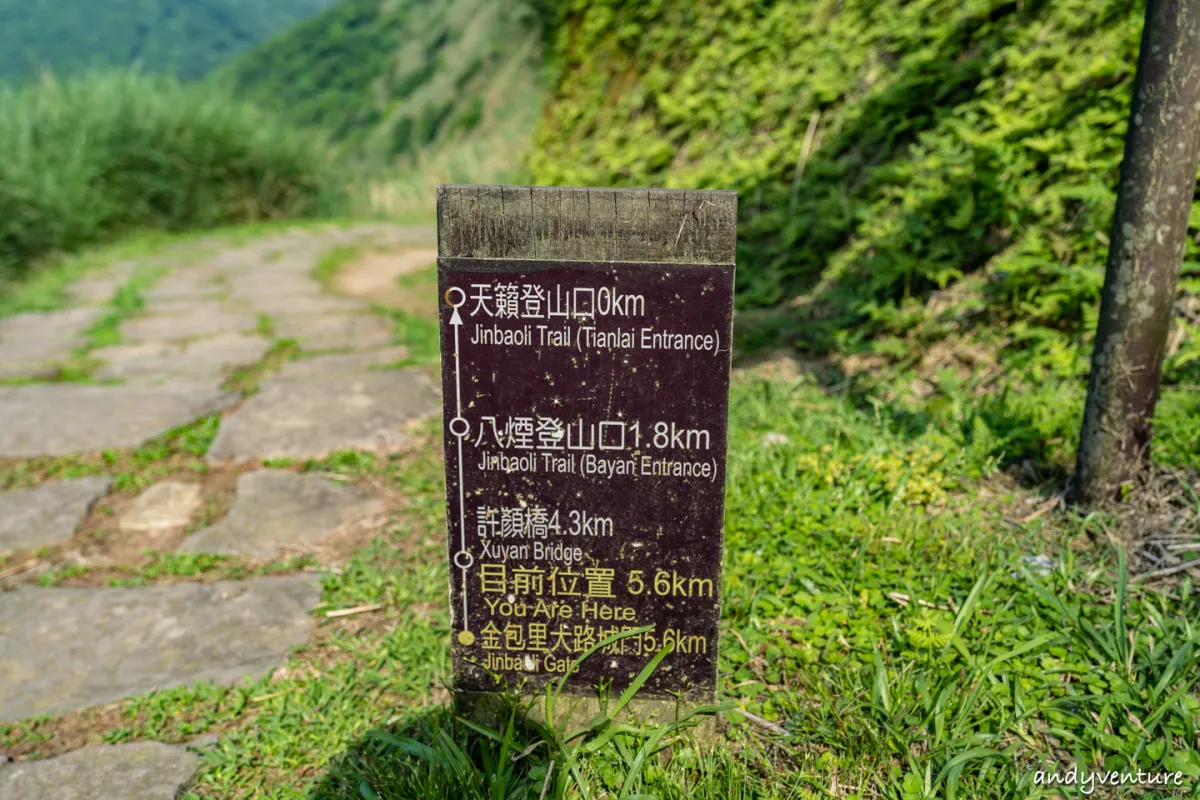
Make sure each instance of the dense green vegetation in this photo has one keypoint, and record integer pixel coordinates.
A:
(925, 188)
(94, 157)
(391, 79)
(186, 38)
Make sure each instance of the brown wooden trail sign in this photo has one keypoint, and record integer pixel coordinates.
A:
(585, 339)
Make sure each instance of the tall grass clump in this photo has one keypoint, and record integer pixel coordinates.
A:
(90, 158)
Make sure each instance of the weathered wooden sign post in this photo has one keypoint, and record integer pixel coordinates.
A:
(585, 339)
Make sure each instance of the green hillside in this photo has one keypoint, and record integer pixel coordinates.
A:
(188, 38)
(907, 171)
(395, 78)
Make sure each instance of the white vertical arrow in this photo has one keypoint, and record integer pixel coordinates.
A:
(456, 322)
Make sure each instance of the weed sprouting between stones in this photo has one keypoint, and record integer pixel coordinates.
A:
(126, 302)
(248, 380)
(180, 449)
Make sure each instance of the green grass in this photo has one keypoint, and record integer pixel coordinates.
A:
(126, 302)
(332, 261)
(875, 606)
(54, 577)
(407, 190)
(247, 380)
(192, 565)
(95, 157)
(161, 714)
(1002, 665)
(419, 334)
(265, 325)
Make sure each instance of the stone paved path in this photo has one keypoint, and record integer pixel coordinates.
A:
(312, 408)
(138, 771)
(46, 514)
(275, 508)
(66, 649)
(213, 310)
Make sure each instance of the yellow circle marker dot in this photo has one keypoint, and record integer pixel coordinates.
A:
(466, 638)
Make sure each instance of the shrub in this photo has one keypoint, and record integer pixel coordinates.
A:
(90, 158)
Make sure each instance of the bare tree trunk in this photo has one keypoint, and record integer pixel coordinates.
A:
(1149, 231)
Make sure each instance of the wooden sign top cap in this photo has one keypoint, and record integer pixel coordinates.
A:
(544, 223)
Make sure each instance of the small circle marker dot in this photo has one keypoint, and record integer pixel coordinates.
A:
(466, 638)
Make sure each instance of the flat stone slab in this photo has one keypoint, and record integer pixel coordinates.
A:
(200, 319)
(46, 514)
(214, 357)
(338, 366)
(276, 254)
(163, 506)
(27, 357)
(67, 649)
(136, 771)
(58, 325)
(251, 294)
(63, 418)
(32, 341)
(341, 411)
(95, 291)
(183, 292)
(97, 288)
(335, 331)
(283, 305)
(276, 508)
(281, 279)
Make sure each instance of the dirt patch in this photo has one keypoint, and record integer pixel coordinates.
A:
(106, 551)
(394, 278)
(968, 360)
(1159, 523)
(60, 734)
(101, 542)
